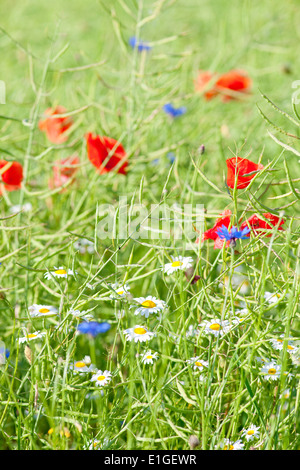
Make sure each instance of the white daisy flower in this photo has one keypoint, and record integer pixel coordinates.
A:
(230, 445)
(138, 333)
(149, 356)
(101, 378)
(273, 298)
(271, 371)
(286, 394)
(148, 305)
(94, 444)
(261, 360)
(59, 272)
(31, 336)
(251, 433)
(120, 291)
(83, 366)
(120, 314)
(179, 263)
(216, 327)
(20, 207)
(84, 246)
(36, 310)
(198, 364)
(278, 344)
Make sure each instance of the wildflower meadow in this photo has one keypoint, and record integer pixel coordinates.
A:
(149, 206)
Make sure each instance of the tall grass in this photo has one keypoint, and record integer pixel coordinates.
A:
(82, 60)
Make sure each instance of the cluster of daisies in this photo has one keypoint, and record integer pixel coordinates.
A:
(248, 434)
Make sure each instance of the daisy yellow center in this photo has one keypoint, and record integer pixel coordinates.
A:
(140, 331)
(44, 310)
(148, 357)
(32, 335)
(176, 264)
(101, 378)
(230, 448)
(215, 326)
(60, 271)
(80, 364)
(148, 304)
(120, 292)
(250, 432)
(272, 371)
(290, 347)
(198, 364)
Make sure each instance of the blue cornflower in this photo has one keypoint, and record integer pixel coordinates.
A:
(232, 234)
(93, 328)
(171, 157)
(174, 112)
(141, 46)
(4, 354)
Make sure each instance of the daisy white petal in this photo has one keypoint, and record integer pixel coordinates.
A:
(36, 310)
(148, 357)
(230, 445)
(101, 378)
(197, 363)
(120, 291)
(251, 433)
(271, 371)
(138, 333)
(179, 263)
(59, 272)
(31, 337)
(216, 327)
(148, 305)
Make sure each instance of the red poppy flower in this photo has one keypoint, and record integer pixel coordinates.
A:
(258, 226)
(11, 177)
(106, 154)
(56, 127)
(64, 170)
(242, 169)
(201, 83)
(237, 81)
(211, 234)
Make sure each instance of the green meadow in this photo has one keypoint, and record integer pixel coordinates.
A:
(193, 347)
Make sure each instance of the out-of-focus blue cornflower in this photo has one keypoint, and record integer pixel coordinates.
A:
(171, 157)
(93, 328)
(141, 45)
(174, 112)
(4, 353)
(232, 234)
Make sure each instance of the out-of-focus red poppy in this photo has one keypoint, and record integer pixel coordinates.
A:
(55, 127)
(63, 171)
(202, 81)
(242, 169)
(211, 234)
(12, 177)
(106, 154)
(259, 226)
(234, 81)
